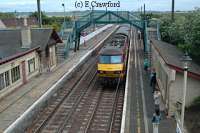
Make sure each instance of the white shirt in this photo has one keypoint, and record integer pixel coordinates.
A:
(157, 98)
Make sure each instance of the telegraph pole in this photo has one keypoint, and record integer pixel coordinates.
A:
(144, 12)
(93, 18)
(64, 14)
(39, 14)
(173, 10)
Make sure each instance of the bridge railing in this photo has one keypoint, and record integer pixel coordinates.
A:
(105, 17)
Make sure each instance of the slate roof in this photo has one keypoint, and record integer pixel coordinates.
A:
(172, 55)
(10, 41)
(19, 22)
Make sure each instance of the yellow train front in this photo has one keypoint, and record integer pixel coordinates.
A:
(112, 60)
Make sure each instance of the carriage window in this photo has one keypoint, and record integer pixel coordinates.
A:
(116, 59)
(110, 59)
(104, 59)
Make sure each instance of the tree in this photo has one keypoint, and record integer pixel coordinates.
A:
(184, 32)
(44, 17)
(54, 22)
(192, 34)
(172, 32)
(6, 15)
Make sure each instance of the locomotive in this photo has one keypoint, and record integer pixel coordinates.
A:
(113, 58)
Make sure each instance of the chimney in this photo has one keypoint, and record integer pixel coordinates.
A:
(26, 35)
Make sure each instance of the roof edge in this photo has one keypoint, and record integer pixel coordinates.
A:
(177, 68)
(3, 61)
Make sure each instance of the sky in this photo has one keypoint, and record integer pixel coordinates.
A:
(127, 5)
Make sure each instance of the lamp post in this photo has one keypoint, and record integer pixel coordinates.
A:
(64, 12)
(173, 10)
(186, 60)
(39, 13)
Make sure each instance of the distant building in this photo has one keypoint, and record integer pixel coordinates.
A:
(2, 25)
(18, 22)
(169, 68)
(25, 53)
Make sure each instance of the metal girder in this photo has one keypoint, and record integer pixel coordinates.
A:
(103, 17)
(108, 17)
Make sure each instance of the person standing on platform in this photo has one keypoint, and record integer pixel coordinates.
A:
(146, 64)
(157, 100)
(156, 121)
(153, 80)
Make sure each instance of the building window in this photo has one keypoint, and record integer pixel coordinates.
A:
(15, 73)
(31, 65)
(7, 78)
(4, 80)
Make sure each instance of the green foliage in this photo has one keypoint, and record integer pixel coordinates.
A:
(148, 16)
(192, 32)
(36, 15)
(54, 22)
(7, 15)
(172, 32)
(184, 47)
(184, 32)
(196, 101)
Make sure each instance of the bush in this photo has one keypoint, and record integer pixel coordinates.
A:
(184, 32)
(196, 101)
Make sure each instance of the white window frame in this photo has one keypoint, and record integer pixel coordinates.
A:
(5, 82)
(2, 81)
(15, 74)
(31, 65)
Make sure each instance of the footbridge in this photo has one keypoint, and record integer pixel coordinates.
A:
(75, 28)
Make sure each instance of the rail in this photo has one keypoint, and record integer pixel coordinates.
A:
(65, 96)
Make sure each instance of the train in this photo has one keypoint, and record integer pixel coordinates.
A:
(112, 60)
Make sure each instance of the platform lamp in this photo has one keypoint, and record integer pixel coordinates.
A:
(63, 5)
(186, 60)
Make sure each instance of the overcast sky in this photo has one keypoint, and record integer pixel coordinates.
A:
(55, 5)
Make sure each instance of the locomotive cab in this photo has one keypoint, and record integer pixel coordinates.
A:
(111, 65)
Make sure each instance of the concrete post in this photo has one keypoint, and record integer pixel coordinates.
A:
(184, 96)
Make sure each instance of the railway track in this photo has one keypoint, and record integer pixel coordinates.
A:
(59, 99)
(106, 117)
(82, 106)
(88, 108)
(99, 111)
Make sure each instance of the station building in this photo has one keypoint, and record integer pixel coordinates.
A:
(25, 53)
(165, 58)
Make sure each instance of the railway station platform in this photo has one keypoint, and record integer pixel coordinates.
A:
(15, 104)
(138, 102)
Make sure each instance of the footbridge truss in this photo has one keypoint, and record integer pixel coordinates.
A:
(75, 28)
